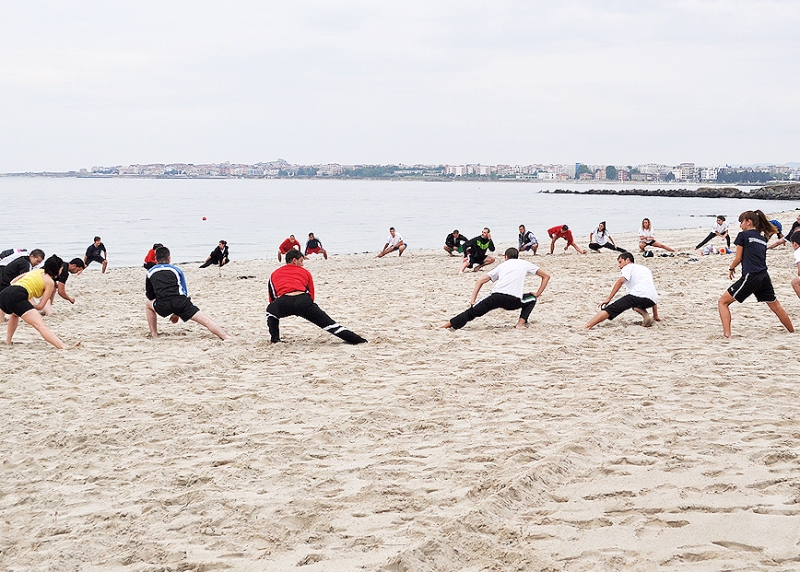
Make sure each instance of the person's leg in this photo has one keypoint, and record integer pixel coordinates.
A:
(274, 314)
(552, 244)
(534, 248)
(401, 249)
(723, 305)
(705, 240)
(324, 254)
(464, 265)
(647, 321)
(484, 306)
(315, 315)
(595, 247)
(728, 240)
(105, 264)
(796, 285)
(33, 318)
(207, 263)
(664, 246)
(152, 319)
(279, 256)
(782, 315)
(599, 317)
(205, 320)
(486, 262)
(524, 314)
(13, 322)
(576, 247)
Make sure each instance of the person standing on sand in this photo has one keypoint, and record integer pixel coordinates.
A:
(638, 281)
(475, 251)
(167, 296)
(314, 246)
(291, 293)
(562, 231)
(15, 300)
(751, 252)
(96, 253)
(393, 242)
(509, 278)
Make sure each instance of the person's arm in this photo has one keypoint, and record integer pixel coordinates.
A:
(478, 285)
(305, 252)
(611, 240)
(149, 291)
(491, 243)
(614, 289)
(591, 237)
(736, 261)
(777, 243)
(62, 291)
(545, 280)
(49, 287)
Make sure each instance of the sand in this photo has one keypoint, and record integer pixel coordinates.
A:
(489, 448)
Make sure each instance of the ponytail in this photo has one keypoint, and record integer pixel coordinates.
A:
(760, 222)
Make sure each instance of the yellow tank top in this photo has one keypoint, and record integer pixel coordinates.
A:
(33, 282)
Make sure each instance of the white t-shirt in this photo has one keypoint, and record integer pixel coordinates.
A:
(639, 281)
(720, 228)
(509, 277)
(797, 256)
(598, 238)
(646, 234)
(394, 240)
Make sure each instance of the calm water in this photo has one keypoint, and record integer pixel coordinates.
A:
(63, 215)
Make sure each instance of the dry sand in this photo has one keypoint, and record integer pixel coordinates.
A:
(623, 448)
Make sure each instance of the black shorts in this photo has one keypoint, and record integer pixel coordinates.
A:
(758, 284)
(181, 306)
(626, 303)
(14, 300)
(90, 259)
(476, 258)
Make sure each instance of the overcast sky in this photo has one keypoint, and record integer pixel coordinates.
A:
(608, 82)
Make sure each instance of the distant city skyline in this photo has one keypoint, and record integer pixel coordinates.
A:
(352, 81)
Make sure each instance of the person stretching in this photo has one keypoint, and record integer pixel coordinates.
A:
(314, 246)
(562, 231)
(291, 293)
(526, 241)
(96, 252)
(218, 257)
(74, 266)
(796, 245)
(599, 238)
(475, 251)
(718, 229)
(509, 278)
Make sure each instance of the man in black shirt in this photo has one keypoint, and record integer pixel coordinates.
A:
(96, 253)
(18, 267)
(454, 241)
(74, 266)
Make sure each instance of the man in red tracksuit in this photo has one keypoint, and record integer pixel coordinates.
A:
(291, 293)
(563, 231)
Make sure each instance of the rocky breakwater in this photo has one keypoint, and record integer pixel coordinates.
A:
(771, 192)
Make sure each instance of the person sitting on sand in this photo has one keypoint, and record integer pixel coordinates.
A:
(291, 293)
(599, 238)
(314, 246)
(393, 242)
(562, 231)
(454, 242)
(647, 238)
(150, 257)
(218, 256)
(18, 264)
(720, 228)
(509, 279)
(751, 252)
(168, 296)
(784, 239)
(96, 253)
(475, 251)
(526, 241)
(74, 266)
(287, 245)
(15, 300)
(796, 245)
(638, 281)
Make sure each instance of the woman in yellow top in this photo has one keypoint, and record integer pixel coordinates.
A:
(15, 300)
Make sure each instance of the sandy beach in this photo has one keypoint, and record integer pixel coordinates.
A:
(488, 448)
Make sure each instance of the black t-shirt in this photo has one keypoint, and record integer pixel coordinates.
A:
(64, 273)
(452, 241)
(313, 243)
(95, 251)
(754, 255)
(15, 268)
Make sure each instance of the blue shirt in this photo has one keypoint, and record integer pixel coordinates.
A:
(754, 254)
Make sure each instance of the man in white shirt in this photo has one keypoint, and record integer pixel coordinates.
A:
(638, 281)
(393, 242)
(509, 279)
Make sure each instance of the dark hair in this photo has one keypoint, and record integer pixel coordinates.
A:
(157, 245)
(605, 228)
(486, 228)
(310, 234)
(564, 227)
(77, 262)
(96, 238)
(391, 228)
(760, 222)
(38, 252)
(512, 252)
(162, 254)
(796, 237)
(456, 231)
(293, 254)
(721, 217)
(522, 226)
(625, 256)
(223, 242)
(53, 266)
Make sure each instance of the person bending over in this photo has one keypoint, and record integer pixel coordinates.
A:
(96, 253)
(393, 242)
(526, 241)
(475, 251)
(509, 279)
(290, 243)
(454, 242)
(150, 257)
(291, 293)
(21, 264)
(218, 256)
(785, 239)
(168, 297)
(314, 246)
(74, 266)
(638, 281)
(564, 232)
(15, 301)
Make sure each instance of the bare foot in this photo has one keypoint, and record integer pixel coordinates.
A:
(647, 321)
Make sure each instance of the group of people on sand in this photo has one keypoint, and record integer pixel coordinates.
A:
(313, 246)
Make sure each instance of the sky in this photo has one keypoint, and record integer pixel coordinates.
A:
(90, 83)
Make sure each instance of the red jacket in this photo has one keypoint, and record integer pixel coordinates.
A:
(290, 278)
(558, 233)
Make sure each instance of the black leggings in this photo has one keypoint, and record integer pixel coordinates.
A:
(608, 245)
(494, 301)
(712, 235)
(302, 305)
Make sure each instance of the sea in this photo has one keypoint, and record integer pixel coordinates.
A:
(63, 215)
